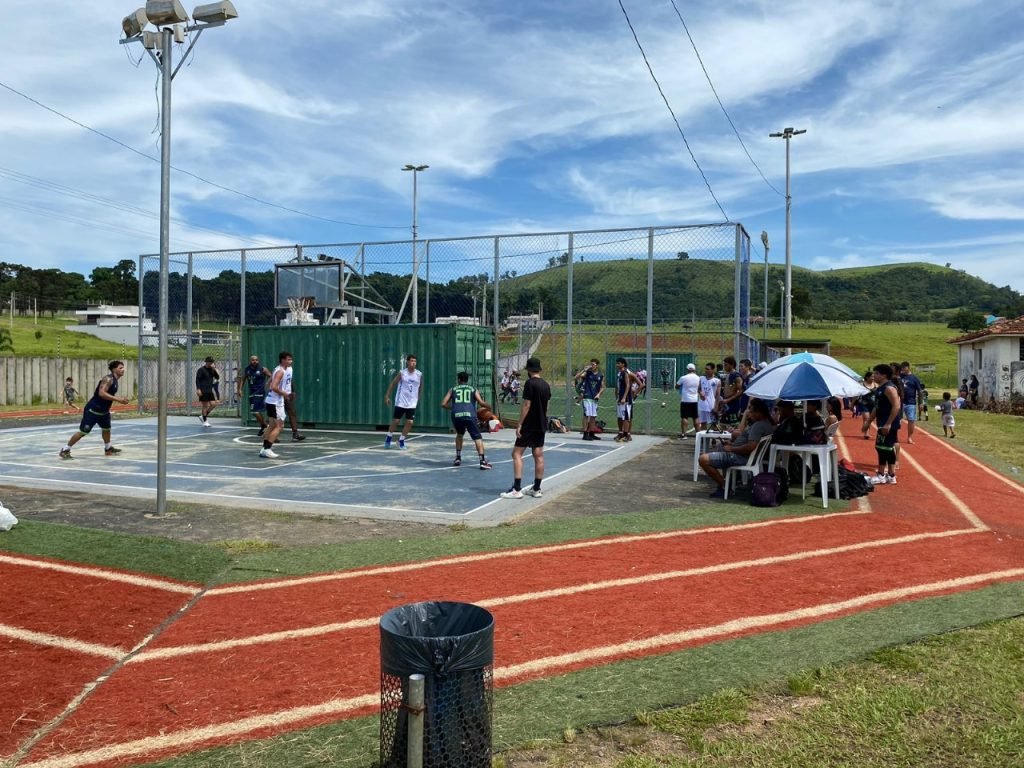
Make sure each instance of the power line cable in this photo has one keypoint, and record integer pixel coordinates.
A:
(671, 112)
(60, 189)
(51, 213)
(719, 100)
(196, 176)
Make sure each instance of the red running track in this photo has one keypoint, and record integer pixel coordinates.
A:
(252, 660)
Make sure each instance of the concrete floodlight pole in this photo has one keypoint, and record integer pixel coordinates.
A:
(415, 266)
(787, 134)
(162, 374)
(167, 36)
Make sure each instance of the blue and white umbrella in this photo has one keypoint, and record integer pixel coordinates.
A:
(806, 376)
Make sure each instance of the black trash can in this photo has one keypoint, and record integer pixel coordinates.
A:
(452, 646)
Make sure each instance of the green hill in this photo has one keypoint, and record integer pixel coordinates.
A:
(703, 288)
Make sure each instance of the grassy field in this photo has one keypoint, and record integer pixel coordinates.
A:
(47, 337)
(863, 345)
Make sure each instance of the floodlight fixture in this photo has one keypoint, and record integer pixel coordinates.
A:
(409, 167)
(150, 40)
(135, 22)
(165, 12)
(214, 13)
(764, 238)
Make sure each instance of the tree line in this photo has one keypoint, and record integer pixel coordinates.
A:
(601, 290)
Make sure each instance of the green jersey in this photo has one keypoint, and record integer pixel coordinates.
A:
(463, 402)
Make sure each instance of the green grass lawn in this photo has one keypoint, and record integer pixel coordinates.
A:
(863, 345)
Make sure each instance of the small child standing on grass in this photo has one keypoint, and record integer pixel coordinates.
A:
(70, 394)
(946, 409)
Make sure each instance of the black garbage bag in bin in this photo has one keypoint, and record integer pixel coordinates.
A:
(452, 646)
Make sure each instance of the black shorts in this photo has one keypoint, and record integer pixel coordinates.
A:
(467, 425)
(272, 411)
(687, 410)
(530, 439)
(408, 413)
(91, 419)
(206, 396)
(257, 403)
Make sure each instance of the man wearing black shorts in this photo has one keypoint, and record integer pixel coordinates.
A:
(463, 400)
(257, 375)
(533, 424)
(207, 380)
(97, 411)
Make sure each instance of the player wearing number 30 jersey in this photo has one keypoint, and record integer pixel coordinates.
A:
(463, 401)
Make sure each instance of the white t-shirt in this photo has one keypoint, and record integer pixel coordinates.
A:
(408, 394)
(710, 389)
(688, 386)
(273, 398)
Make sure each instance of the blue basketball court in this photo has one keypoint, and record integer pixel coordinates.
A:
(341, 473)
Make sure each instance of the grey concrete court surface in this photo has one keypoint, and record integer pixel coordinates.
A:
(334, 473)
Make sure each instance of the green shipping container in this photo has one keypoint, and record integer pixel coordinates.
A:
(341, 373)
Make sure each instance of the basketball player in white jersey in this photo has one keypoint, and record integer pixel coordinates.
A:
(277, 392)
(410, 384)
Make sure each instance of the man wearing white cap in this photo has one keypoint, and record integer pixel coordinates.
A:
(687, 386)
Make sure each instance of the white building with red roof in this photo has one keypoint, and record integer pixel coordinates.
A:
(995, 354)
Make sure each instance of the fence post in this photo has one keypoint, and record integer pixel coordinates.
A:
(189, 390)
(568, 339)
(140, 390)
(241, 308)
(414, 757)
(650, 325)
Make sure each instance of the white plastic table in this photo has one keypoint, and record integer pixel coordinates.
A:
(705, 436)
(828, 461)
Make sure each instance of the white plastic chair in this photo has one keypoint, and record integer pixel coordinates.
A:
(753, 465)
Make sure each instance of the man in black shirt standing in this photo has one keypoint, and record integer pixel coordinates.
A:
(207, 379)
(533, 425)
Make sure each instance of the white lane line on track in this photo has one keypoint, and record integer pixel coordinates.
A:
(752, 622)
(99, 573)
(1012, 484)
(951, 497)
(196, 736)
(64, 643)
(192, 738)
(508, 553)
(314, 631)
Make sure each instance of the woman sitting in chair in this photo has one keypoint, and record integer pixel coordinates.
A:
(758, 424)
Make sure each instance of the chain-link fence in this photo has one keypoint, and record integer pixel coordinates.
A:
(563, 296)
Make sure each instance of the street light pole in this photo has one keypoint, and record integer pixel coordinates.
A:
(787, 134)
(415, 267)
(764, 241)
(162, 372)
(172, 23)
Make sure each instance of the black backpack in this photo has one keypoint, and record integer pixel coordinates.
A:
(770, 489)
(852, 485)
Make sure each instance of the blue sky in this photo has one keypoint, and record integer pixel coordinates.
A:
(534, 116)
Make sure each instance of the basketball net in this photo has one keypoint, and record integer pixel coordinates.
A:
(300, 305)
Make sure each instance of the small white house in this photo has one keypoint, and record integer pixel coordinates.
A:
(119, 324)
(996, 356)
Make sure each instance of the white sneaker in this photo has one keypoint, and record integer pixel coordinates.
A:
(206, 424)
(513, 494)
(877, 479)
(531, 492)
(268, 453)
(890, 480)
